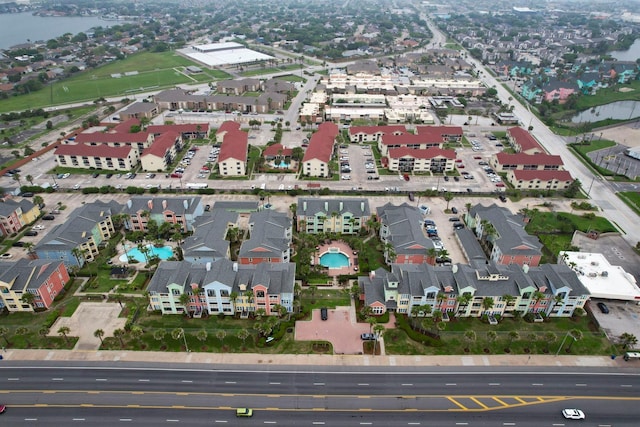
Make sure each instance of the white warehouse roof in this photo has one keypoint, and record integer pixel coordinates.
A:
(602, 279)
(218, 54)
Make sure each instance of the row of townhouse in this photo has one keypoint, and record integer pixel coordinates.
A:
(531, 168)
(402, 235)
(177, 99)
(42, 279)
(234, 149)
(472, 291)
(344, 216)
(222, 287)
(425, 137)
(181, 212)
(16, 214)
(121, 150)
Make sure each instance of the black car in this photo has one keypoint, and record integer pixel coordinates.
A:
(26, 194)
(324, 313)
(454, 219)
(603, 307)
(502, 198)
(207, 208)
(109, 175)
(456, 179)
(446, 178)
(454, 210)
(48, 217)
(18, 244)
(458, 226)
(31, 233)
(95, 175)
(411, 197)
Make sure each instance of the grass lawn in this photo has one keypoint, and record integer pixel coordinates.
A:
(533, 338)
(631, 199)
(154, 70)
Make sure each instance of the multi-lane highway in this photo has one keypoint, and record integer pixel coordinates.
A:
(300, 396)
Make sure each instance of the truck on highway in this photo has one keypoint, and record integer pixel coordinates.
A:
(196, 185)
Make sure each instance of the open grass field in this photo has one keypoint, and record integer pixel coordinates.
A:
(153, 71)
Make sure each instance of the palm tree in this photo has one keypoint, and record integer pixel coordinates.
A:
(30, 179)
(576, 334)
(487, 303)
(28, 298)
(464, 300)
(513, 335)
(159, 334)
(202, 335)
(184, 301)
(99, 333)
(38, 200)
(243, 334)
(221, 334)
(136, 332)
(63, 331)
(549, 338)
(448, 197)
(24, 332)
(378, 330)
(492, 336)
(3, 332)
(628, 340)
(120, 333)
(470, 336)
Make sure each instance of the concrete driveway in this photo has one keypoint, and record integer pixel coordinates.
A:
(88, 317)
(340, 328)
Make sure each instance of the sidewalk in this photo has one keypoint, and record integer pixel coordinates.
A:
(314, 360)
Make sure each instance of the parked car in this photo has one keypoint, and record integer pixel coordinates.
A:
(603, 307)
(454, 219)
(458, 226)
(454, 210)
(324, 313)
(48, 217)
(573, 414)
(368, 337)
(18, 244)
(502, 198)
(411, 197)
(31, 233)
(406, 177)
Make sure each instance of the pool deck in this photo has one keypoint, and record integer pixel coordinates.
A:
(345, 249)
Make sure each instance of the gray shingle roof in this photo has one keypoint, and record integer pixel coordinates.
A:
(267, 234)
(27, 274)
(405, 226)
(208, 239)
(311, 207)
(157, 205)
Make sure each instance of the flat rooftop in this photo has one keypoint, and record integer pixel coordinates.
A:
(220, 54)
(601, 278)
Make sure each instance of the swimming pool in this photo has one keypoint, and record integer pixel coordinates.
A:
(282, 165)
(334, 260)
(165, 252)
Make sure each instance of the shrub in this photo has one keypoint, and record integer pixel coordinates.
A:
(403, 324)
(51, 318)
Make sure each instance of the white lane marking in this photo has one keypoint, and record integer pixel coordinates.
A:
(508, 424)
(318, 423)
(187, 381)
(462, 424)
(363, 384)
(494, 383)
(78, 419)
(271, 422)
(413, 424)
(451, 384)
(173, 421)
(626, 385)
(101, 379)
(581, 385)
(31, 419)
(126, 419)
(13, 379)
(275, 383)
(144, 380)
(230, 382)
(220, 421)
(57, 379)
(318, 383)
(538, 384)
(407, 384)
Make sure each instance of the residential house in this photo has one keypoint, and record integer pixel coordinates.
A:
(523, 142)
(359, 134)
(463, 290)
(503, 235)
(431, 159)
(186, 130)
(209, 243)
(139, 110)
(162, 152)
(504, 162)
(344, 216)
(232, 159)
(137, 140)
(181, 212)
(540, 179)
(78, 239)
(222, 287)
(402, 235)
(101, 157)
(318, 155)
(16, 214)
(43, 279)
(426, 137)
(270, 234)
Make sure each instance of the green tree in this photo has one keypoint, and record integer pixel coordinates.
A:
(202, 335)
(136, 333)
(221, 334)
(99, 333)
(378, 331)
(63, 331)
(576, 334)
(513, 336)
(628, 340)
(24, 332)
(4, 331)
(549, 338)
(243, 334)
(120, 333)
(469, 336)
(28, 298)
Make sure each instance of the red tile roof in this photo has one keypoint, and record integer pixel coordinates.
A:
(524, 139)
(101, 150)
(228, 126)
(439, 132)
(125, 127)
(542, 175)
(373, 130)
(277, 149)
(120, 137)
(161, 144)
(234, 146)
(181, 128)
(426, 153)
(408, 138)
(321, 143)
(528, 159)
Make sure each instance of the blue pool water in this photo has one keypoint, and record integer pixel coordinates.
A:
(283, 165)
(164, 252)
(334, 260)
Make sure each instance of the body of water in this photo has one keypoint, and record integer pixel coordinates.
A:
(164, 252)
(620, 110)
(631, 54)
(334, 260)
(17, 28)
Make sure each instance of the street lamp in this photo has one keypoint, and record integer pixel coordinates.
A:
(563, 340)
(184, 337)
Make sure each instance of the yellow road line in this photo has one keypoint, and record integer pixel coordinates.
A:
(455, 402)
(519, 400)
(500, 401)
(479, 403)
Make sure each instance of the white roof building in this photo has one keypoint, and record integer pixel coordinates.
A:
(220, 54)
(602, 279)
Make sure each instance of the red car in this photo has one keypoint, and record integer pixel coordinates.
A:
(2, 409)
(477, 157)
(500, 184)
(406, 177)
(460, 166)
(176, 175)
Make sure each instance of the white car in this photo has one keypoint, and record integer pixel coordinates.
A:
(76, 187)
(573, 414)
(66, 175)
(38, 227)
(346, 177)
